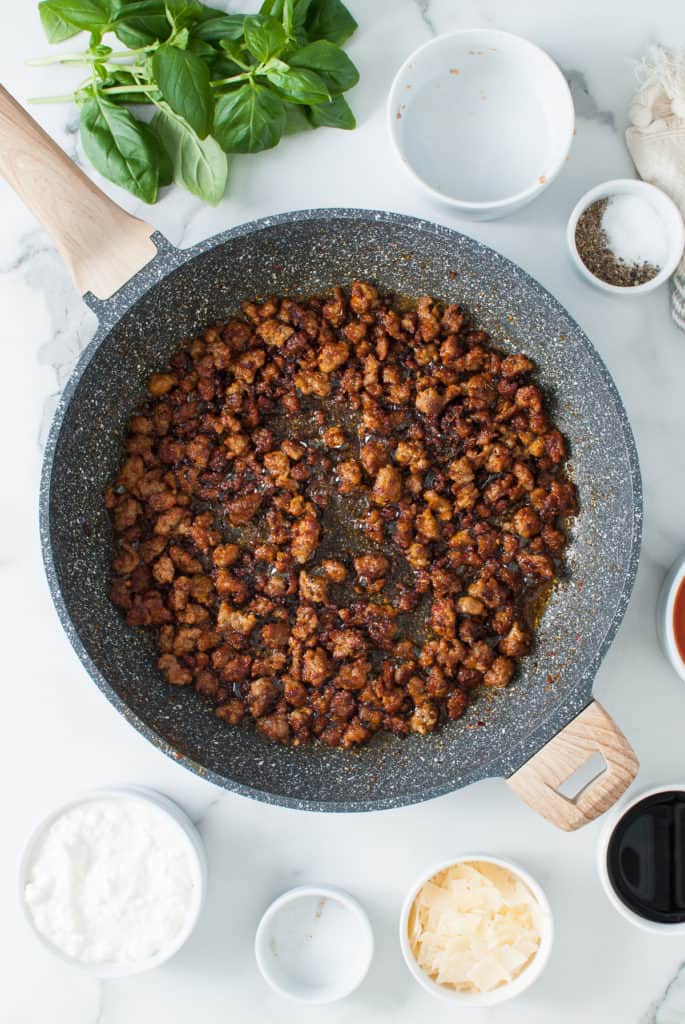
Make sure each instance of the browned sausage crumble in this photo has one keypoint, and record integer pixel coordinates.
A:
(338, 517)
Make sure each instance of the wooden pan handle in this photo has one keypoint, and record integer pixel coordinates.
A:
(102, 245)
(592, 732)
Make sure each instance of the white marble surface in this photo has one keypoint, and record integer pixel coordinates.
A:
(60, 734)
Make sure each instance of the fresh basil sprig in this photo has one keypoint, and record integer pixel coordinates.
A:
(220, 83)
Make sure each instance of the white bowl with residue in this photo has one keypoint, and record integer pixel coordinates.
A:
(482, 119)
(314, 944)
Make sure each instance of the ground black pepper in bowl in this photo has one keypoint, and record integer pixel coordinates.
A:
(593, 248)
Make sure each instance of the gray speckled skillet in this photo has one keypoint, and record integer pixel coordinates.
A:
(534, 733)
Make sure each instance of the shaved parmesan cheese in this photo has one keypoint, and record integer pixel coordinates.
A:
(474, 927)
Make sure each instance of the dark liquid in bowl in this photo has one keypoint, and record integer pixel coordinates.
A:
(646, 858)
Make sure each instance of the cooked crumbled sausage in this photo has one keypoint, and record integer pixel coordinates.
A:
(231, 711)
(387, 486)
(316, 667)
(353, 675)
(371, 567)
(160, 383)
(262, 695)
(335, 570)
(174, 671)
(313, 486)
(499, 673)
(349, 476)
(305, 537)
(515, 643)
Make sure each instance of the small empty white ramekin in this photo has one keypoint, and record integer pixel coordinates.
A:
(483, 120)
(664, 206)
(196, 856)
(612, 820)
(513, 988)
(314, 944)
(664, 615)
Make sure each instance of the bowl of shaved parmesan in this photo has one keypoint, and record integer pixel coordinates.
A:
(477, 930)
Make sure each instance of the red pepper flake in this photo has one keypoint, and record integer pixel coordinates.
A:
(479, 723)
(398, 115)
(452, 274)
(542, 179)
(549, 680)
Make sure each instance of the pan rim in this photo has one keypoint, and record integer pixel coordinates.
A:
(171, 258)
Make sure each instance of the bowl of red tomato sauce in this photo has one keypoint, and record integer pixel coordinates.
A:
(670, 617)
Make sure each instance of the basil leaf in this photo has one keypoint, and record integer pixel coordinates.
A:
(165, 167)
(199, 166)
(183, 80)
(299, 85)
(55, 27)
(329, 19)
(234, 51)
(330, 62)
(334, 114)
(88, 15)
(249, 119)
(296, 119)
(287, 18)
(264, 36)
(272, 8)
(201, 48)
(118, 149)
(140, 22)
(301, 9)
(205, 12)
(227, 26)
(223, 67)
(185, 12)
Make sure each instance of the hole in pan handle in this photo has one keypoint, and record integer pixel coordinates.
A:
(582, 777)
(593, 731)
(102, 245)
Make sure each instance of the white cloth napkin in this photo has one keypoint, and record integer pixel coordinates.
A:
(656, 138)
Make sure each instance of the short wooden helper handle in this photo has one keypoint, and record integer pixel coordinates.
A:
(102, 245)
(592, 732)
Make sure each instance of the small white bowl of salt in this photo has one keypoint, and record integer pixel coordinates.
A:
(626, 236)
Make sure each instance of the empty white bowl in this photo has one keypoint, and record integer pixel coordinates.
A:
(314, 944)
(665, 208)
(482, 119)
(499, 995)
(192, 843)
(665, 607)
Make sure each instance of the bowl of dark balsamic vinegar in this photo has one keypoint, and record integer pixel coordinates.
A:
(642, 859)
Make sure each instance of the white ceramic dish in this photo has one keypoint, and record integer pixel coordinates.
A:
(610, 824)
(664, 615)
(482, 119)
(499, 995)
(314, 944)
(666, 209)
(196, 856)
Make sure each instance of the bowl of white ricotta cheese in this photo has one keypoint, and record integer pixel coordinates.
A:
(113, 882)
